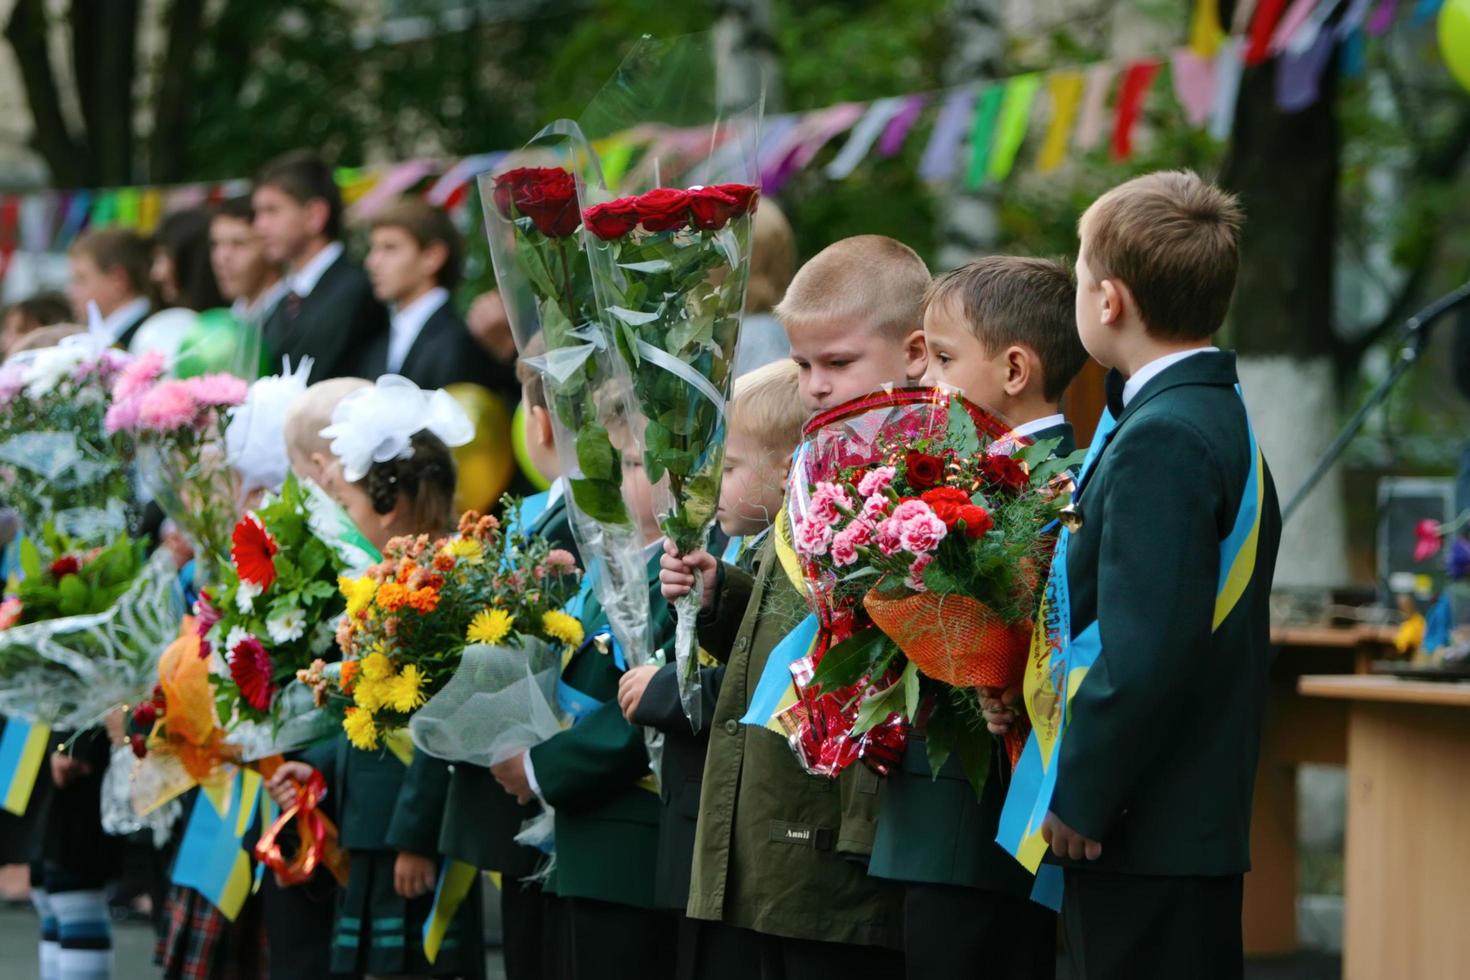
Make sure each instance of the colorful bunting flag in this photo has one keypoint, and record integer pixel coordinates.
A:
(899, 126)
(982, 132)
(23, 747)
(150, 210)
(1229, 66)
(1015, 117)
(1293, 21)
(1352, 18)
(1205, 32)
(1299, 76)
(1263, 26)
(1194, 85)
(1382, 17)
(806, 140)
(1065, 88)
(1094, 106)
(1131, 96)
(1241, 21)
(941, 156)
(863, 136)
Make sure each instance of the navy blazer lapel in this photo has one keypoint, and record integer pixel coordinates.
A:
(425, 343)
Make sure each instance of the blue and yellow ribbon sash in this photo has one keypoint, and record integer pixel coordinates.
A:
(211, 858)
(456, 879)
(22, 750)
(775, 691)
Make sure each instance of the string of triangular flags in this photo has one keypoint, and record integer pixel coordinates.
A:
(976, 130)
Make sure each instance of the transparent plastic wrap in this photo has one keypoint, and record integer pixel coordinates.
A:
(500, 700)
(120, 815)
(71, 672)
(673, 188)
(532, 214)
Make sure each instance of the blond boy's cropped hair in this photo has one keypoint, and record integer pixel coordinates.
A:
(1174, 240)
(869, 281)
(311, 412)
(767, 405)
(772, 258)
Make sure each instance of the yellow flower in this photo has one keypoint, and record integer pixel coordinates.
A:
(561, 626)
(489, 626)
(466, 550)
(405, 692)
(370, 695)
(376, 666)
(359, 593)
(361, 731)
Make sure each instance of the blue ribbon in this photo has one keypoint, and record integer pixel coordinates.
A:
(776, 677)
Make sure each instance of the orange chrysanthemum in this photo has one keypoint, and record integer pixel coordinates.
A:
(349, 673)
(423, 601)
(392, 596)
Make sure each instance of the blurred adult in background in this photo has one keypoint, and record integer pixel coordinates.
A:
(30, 315)
(772, 264)
(251, 282)
(181, 270)
(110, 267)
(414, 264)
(329, 312)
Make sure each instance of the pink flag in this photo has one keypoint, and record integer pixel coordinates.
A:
(1194, 85)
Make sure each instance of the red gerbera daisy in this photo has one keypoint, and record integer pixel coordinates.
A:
(250, 666)
(254, 552)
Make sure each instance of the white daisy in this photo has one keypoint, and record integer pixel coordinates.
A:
(245, 597)
(236, 634)
(287, 626)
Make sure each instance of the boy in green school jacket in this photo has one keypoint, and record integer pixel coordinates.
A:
(780, 854)
(602, 921)
(1169, 577)
(1002, 330)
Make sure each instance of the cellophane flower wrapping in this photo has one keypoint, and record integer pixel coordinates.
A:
(410, 617)
(532, 219)
(672, 186)
(58, 464)
(920, 523)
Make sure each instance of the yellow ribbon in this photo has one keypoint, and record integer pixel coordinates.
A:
(1065, 88)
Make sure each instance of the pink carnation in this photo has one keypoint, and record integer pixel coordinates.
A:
(829, 500)
(876, 481)
(847, 541)
(137, 377)
(12, 380)
(121, 416)
(922, 533)
(907, 510)
(170, 405)
(218, 390)
(888, 536)
(915, 577)
(813, 536)
(875, 508)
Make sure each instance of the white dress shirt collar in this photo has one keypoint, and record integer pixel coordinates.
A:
(264, 305)
(119, 320)
(1156, 367)
(408, 322)
(304, 279)
(1028, 429)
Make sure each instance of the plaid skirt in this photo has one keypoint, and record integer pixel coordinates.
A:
(201, 944)
(379, 931)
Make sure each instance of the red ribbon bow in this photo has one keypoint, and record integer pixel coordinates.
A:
(319, 847)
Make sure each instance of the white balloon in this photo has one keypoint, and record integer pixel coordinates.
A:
(164, 332)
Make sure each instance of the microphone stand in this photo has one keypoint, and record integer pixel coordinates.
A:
(1416, 338)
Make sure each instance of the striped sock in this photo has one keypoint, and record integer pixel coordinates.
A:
(85, 933)
(50, 948)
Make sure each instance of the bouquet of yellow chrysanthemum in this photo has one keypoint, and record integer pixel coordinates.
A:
(410, 617)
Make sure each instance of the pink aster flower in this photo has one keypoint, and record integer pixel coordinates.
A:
(813, 536)
(121, 416)
(876, 481)
(922, 533)
(218, 390)
(170, 405)
(558, 561)
(137, 377)
(829, 500)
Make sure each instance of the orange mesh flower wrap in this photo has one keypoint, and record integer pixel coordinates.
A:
(953, 638)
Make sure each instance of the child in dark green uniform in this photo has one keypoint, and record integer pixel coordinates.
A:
(389, 813)
(1002, 330)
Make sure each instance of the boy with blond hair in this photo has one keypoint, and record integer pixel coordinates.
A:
(1169, 579)
(766, 419)
(1001, 329)
(779, 854)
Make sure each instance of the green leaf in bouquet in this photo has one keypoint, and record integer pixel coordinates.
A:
(911, 691)
(876, 708)
(961, 435)
(601, 500)
(859, 654)
(689, 333)
(30, 559)
(73, 596)
(1050, 468)
(595, 454)
(652, 265)
(954, 731)
(633, 318)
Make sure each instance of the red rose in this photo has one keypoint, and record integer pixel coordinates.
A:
(922, 470)
(712, 208)
(254, 552)
(948, 504)
(64, 566)
(977, 521)
(746, 197)
(144, 715)
(506, 184)
(664, 209)
(613, 219)
(1004, 472)
(139, 745)
(549, 199)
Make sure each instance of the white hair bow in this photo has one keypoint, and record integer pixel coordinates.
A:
(377, 424)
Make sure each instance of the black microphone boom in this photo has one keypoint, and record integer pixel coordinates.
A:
(1416, 338)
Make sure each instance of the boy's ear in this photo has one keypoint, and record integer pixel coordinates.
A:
(916, 355)
(1115, 300)
(1020, 364)
(435, 254)
(541, 429)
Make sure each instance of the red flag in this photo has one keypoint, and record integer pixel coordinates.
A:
(1131, 93)
(1263, 26)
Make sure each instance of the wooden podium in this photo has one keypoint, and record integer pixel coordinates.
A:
(1408, 758)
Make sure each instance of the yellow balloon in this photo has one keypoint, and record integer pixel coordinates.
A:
(487, 463)
(1454, 39)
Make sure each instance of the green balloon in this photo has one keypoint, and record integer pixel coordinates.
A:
(219, 342)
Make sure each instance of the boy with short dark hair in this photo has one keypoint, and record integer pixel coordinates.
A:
(1169, 577)
(110, 267)
(414, 265)
(1003, 331)
(251, 282)
(779, 856)
(329, 312)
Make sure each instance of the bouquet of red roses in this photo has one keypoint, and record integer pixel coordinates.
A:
(928, 551)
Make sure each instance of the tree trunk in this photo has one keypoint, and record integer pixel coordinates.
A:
(104, 42)
(970, 220)
(745, 49)
(1285, 169)
(26, 32)
(167, 147)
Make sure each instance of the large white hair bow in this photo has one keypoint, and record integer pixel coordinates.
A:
(255, 442)
(375, 425)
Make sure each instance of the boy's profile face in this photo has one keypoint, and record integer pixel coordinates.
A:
(751, 490)
(398, 266)
(237, 257)
(840, 360)
(1097, 312)
(638, 494)
(286, 226)
(89, 284)
(959, 359)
